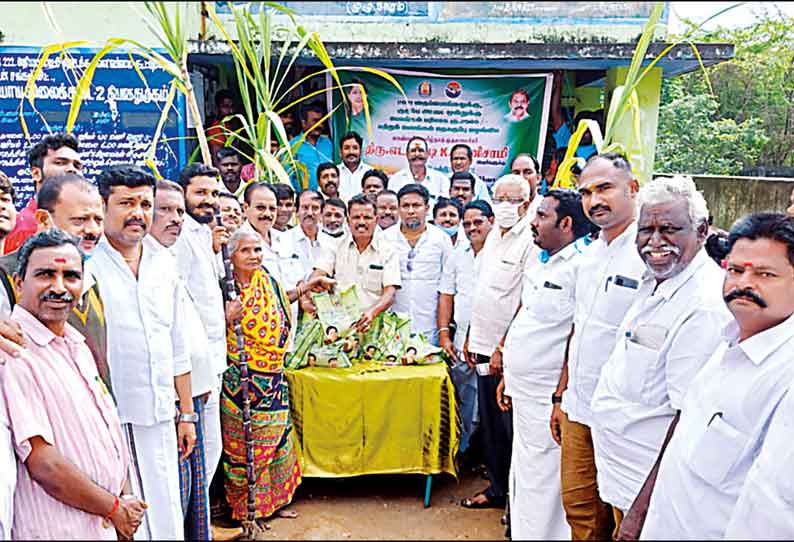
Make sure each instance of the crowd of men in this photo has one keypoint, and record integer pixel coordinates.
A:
(613, 378)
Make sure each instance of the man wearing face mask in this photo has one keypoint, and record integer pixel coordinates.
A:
(718, 446)
(424, 253)
(667, 335)
(447, 214)
(417, 152)
(497, 296)
(607, 281)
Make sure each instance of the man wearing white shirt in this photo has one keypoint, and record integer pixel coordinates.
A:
(497, 296)
(167, 229)
(352, 168)
(435, 182)
(607, 280)
(456, 291)
(527, 166)
(763, 510)
(533, 353)
(195, 252)
(447, 214)
(306, 244)
(727, 410)
(260, 208)
(667, 335)
(424, 253)
(461, 159)
(387, 209)
(148, 345)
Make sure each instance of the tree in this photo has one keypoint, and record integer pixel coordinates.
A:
(691, 138)
(755, 88)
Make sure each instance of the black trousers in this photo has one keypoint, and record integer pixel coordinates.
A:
(497, 433)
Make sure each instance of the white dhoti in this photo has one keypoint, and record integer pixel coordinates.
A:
(536, 511)
(211, 426)
(154, 474)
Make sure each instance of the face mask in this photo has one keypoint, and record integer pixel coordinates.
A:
(336, 233)
(505, 214)
(451, 231)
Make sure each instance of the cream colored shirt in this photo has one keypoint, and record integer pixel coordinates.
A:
(372, 270)
(498, 290)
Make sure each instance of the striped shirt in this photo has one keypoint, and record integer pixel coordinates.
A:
(54, 391)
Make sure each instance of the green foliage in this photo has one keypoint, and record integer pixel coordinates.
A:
(754, 89)
(693, 139)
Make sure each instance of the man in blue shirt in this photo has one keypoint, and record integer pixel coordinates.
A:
(314, 150)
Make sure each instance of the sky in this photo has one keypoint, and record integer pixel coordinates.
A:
(737, 17)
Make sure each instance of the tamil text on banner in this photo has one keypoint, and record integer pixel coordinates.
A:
(117, 119)
(498, 116)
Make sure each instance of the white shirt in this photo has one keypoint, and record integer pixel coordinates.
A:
(203, 372)
(350, 181)
(664, 340)
(436, 183)
(197, 265)
(497, 293)
(534, 349)
(148, 342)
(421, 269)
(275, 252)
(607, 282)
(458, 280)
(765, 505)
(8, 471)
(721, 431)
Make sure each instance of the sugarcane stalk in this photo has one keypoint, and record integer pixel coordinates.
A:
(250, 528)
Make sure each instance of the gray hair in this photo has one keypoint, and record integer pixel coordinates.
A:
(513, 180)
(238, 236)
(667, 189)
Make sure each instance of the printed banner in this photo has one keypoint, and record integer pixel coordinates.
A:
(498, 116)
(116, 123)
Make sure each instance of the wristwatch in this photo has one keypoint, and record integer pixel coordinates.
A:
(190, 418)
(556, 398)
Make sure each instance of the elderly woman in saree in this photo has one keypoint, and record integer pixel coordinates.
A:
(263, 309)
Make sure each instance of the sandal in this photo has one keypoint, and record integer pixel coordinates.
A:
(288, 514)
(489, 502)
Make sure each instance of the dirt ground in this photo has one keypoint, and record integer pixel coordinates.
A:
(387, 507)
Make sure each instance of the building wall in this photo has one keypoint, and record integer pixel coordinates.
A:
(730, 198)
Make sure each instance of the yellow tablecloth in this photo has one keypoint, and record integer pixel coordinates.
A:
(371, 419)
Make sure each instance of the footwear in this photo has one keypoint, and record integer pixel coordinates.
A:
(226, 533)
(489, 502)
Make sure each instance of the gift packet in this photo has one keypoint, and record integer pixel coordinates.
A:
(327, 356)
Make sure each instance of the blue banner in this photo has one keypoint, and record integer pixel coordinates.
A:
(117, 119)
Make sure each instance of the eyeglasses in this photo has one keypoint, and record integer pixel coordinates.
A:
(410, 264)
(477, 222)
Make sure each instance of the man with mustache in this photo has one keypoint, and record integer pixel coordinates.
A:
(231, 212)
(435, 182)
(334, 217)
(374, 182)
(519, 101)
(195, 252)
(306, 243)
(454, 304)
(666, 336)
(367, 260)
(194, 477)
(230, 166)
(315, 149)
(72, 204)
(460, 160)
(726, 412)
(424, 253)
(352, 168)
(55, 154)
(148, 345)
(533, 353)
(328, 179)
(286, 207)
(69, 442)
(447, 215)
(607, 282)
(388, 210)
(508, 250)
